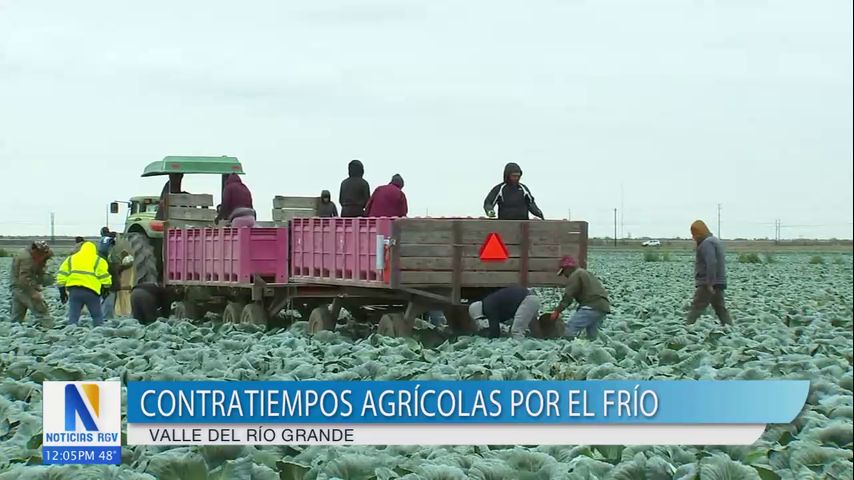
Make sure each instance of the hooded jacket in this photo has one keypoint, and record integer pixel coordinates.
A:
(235, 195)
(388, 200)
(355, 191)
(327, 207)
(513, 201)
(84, 269)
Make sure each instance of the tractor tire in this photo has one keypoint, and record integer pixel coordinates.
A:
(233, 312)
(254, 314)
(189, 311)
(320, 319)
(145, 261)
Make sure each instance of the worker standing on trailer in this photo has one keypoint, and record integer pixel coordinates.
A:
(515, 303)
(83, 279)
(592, 298)
(355, 191)
(327, 207)
(709, 275)
(28, 277)
(149, 301)
(388, 200)
(512, 198)
(236, 204)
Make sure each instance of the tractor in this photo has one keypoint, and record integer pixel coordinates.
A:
(147, 215)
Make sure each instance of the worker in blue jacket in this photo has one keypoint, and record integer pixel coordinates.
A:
(515, 303)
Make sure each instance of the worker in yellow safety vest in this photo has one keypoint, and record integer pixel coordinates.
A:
(83, 278)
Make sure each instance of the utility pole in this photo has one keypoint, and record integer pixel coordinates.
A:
(719, 221)
(615, 227)
(52, 231)
(569, 214)
(622, 211)
(107, 217)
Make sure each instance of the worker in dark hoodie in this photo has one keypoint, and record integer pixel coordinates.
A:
(236, 204)
(355, 191)
(388, 200)
(327, 207)
(709, 275)
(511, 197)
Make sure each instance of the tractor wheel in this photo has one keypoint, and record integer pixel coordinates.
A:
(320, 319)
(393, 325)
(233, 312)
(254, 314)
(189, 310)
(145, 262)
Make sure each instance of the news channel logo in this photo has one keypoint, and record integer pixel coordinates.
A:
(82, 423)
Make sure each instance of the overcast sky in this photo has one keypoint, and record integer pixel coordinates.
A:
(680, 105)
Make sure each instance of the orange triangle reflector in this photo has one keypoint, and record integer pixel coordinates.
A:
(493, 249)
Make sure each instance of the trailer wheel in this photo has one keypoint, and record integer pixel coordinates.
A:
(320, 319)
(189, 310)
(233, 312)
(255, 314)
(393, 325)
(459, 320)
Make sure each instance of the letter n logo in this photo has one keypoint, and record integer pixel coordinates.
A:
(76, 407)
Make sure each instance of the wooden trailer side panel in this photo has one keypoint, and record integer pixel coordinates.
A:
(446, 252)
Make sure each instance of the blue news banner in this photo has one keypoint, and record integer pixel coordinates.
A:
(465, 402)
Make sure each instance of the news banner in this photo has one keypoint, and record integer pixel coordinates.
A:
(83, 419)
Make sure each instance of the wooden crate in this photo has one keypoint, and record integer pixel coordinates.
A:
(190, 210)
(445, 252)
(288, 208)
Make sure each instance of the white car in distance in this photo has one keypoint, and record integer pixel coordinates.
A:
(651, 243)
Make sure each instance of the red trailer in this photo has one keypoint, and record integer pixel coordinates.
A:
(384, 270)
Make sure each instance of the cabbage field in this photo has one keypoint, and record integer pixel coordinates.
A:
(793, 320)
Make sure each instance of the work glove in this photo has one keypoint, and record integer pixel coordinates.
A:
(105, 292)
(63, 295)
(554, 316)
(490, 214)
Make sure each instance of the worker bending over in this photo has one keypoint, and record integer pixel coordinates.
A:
(388, 200)
(515, 303)
(236, 204)
(592, 298)
(512, 197)
(83, 278)
(28, 276)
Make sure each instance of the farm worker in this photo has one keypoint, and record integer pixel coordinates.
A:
(388, 200)
(28, 276)
(107, 241)
(515, 303)
(709, 275)
(237, 203)
(149, 301)
(592, 298)
(512, 197)
(173, 185)
(78, 241)
(327, 207)
(83, 278)
(116, 267)
(354, 192)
